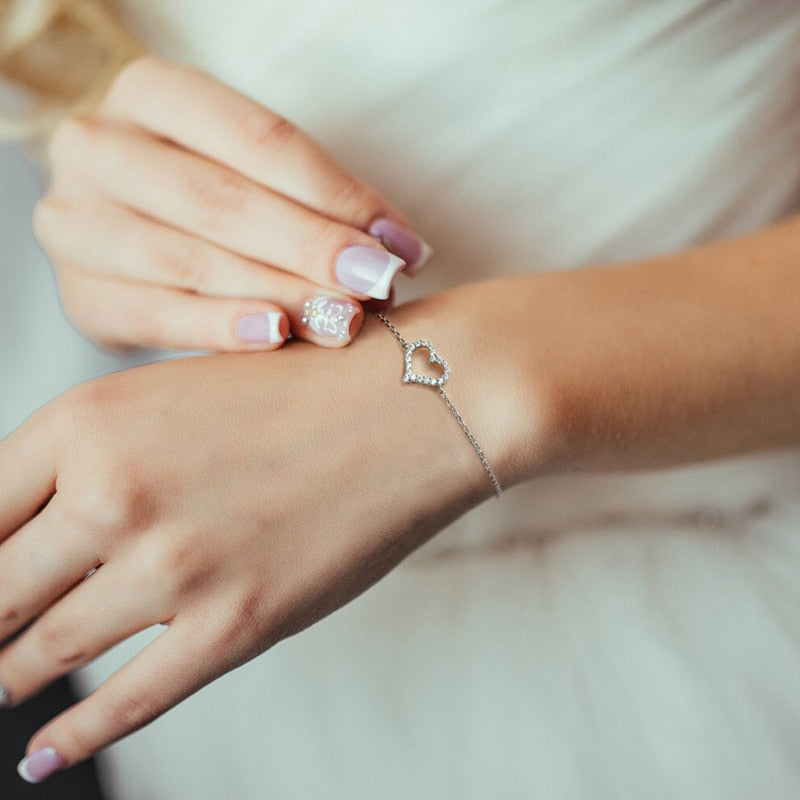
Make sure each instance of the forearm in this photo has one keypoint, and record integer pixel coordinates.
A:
(666, 361)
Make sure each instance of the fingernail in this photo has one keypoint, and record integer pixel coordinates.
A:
(368, 270)
(264, 327)
(402, 242)
(330, 317)
(5, 697)
(40, 764)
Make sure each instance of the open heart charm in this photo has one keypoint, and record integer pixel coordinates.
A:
(412, 377)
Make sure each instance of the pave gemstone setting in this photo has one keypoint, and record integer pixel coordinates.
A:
(433, 357)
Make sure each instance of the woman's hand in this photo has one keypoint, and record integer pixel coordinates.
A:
(184, 215)
(235, 499)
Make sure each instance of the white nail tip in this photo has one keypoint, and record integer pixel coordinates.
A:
(426, 251)
(275, 326)
(22, 771)
(39, 765)
(381, 287)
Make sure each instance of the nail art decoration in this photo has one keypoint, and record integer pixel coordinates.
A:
(329, 317)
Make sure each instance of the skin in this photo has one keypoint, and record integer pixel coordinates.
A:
(180, 206)
(241, 514)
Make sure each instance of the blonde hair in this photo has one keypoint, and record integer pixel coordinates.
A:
(63, 53)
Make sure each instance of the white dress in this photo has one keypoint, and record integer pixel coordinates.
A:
(629, 635)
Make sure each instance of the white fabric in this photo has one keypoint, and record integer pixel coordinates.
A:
(614, 636)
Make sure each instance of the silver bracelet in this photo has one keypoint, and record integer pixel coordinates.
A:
(409, 376)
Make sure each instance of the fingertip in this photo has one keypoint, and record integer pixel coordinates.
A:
(262, 330)
(39, 764)
(5, 698)
(367, 271)
(399, 239)
(330, 321)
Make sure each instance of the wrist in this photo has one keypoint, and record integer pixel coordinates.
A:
(494, 383)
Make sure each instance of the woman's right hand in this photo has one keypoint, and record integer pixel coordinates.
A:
(183, 215)
(314, 475)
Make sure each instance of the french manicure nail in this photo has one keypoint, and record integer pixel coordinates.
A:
(402, 242)
(368, 270)
(40, 764)
(265, 327)
(329, 317)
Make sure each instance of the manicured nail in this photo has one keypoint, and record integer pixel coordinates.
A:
(329, 317)
(402, 242)
(5, 697)
(368, 270)
(40, 764)
(264, 327)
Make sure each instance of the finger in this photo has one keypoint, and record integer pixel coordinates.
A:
(114, 242)
(89, 620)
(119, 314)
(224, 207)
(168, 670)
(218, 122)
(27, 472)
(39, 563)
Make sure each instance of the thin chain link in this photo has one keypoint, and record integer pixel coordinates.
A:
(393, 330)
(449, 403)
(460, 420)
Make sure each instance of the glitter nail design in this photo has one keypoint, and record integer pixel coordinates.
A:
(329, 317)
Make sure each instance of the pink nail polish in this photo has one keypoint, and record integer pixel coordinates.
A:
(402, 242)
(261, 327)
(368, 270)
(40, 764)
(329, 317)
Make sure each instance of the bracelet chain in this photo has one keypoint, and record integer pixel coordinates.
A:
(438, 384)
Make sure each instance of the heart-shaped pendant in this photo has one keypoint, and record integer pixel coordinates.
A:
(412, 377)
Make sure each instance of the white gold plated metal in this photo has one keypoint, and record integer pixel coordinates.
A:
(409, 376)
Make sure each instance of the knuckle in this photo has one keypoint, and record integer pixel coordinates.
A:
(185, 265)
(59, 642)
(136, 76)
(263, 131)
(244, 629)
(112, 502)
(347, 195)
(169, 570)
(328, 237)
(218, 199)
(73, 136)
(129, 711)
(87, 401)
(70, 737)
